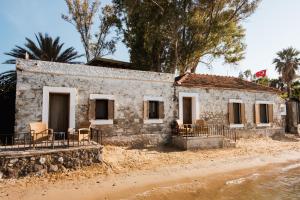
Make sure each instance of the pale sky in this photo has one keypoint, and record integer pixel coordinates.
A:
(272, 27)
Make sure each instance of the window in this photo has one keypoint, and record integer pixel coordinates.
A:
(237, 113)
(101, 111)
(153, 109)
(263, 112)
(236, 109)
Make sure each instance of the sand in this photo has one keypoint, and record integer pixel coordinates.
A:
(127, 172)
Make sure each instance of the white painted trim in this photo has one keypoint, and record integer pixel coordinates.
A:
(102, 96)
(263, 125)
(101, 121)
(235, 101)
(282, 109)
(153, 121)
(264, 102)
(195, 105)
(153, 98)
(63, 90)
(236, 125)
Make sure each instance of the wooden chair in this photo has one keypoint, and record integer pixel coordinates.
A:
(39, 132)
(183, 129)
(201, 126)
(83, 132)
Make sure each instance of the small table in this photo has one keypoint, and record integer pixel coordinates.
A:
(60, 136)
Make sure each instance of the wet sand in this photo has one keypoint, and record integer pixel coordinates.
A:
(130, 173)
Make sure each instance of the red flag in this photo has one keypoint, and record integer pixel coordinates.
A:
(261, 73)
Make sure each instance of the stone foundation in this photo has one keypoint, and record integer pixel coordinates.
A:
(40, 162)
(201, 142)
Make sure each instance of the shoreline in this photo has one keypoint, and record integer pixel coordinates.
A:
(118, 184)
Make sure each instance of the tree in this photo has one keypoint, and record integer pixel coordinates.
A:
(7, 103)
(248, 74)
(81, 16)
(286, 64)
(168, 35)
(263, 81)
(47, 49)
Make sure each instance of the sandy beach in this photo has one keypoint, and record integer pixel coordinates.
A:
(128, 173)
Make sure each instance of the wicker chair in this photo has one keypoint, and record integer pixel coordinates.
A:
(201, 127)
(39, 132)
(183, 129)
(83, 132)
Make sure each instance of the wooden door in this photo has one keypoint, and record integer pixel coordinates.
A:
(59, 112)
(187, 110)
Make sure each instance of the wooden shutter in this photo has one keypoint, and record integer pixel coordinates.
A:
(161, 110)
(146, 109)
(92, 109)
(256, 114)
(243, 114)
(230, 113)
(270, 113)
(111, 109)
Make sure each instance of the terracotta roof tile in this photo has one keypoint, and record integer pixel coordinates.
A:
(213, 81)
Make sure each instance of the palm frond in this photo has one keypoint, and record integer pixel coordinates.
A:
(46, 48)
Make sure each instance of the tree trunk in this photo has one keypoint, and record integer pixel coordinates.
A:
(289, 90)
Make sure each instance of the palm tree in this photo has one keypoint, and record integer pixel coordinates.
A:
(47, 49)
(287, 63)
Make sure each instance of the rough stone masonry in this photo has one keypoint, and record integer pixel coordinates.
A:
(127, 90)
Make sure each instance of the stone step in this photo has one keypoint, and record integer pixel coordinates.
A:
(227, 143)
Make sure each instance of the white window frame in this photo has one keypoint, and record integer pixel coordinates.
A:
(264, 124)
(195, 105)
(60, 90)
(103, 97)
(154, 98)
(236, 125)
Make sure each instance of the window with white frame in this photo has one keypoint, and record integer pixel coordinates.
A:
(263, 112)
(101, 109)
(153, 109)
(236, 112)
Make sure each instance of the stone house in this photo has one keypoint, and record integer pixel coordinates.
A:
(129, 104)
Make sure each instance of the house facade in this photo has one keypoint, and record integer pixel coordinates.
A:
(128, 105)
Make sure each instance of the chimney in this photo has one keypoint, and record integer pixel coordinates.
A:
(26, 56)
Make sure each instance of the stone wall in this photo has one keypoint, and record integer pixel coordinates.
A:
(127, 86)
(213, 107)
(20, 164)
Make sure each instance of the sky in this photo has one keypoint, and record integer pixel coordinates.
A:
(270, 29)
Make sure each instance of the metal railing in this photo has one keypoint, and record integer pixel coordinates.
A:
(191, 130)
(27, 140)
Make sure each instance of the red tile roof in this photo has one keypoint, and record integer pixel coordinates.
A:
(225, 82)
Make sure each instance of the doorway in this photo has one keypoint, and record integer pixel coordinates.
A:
(187, 110)
(59, 105)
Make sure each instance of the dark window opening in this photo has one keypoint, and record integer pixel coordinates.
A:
(153, 109)
(237, 113)
(101, 109)
(263, 109)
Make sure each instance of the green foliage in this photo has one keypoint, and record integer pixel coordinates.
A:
(7, 83)
(47, 49)
(295, 90)
(82, 16)
(263, 81)
(168, 35)
(286, 64)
